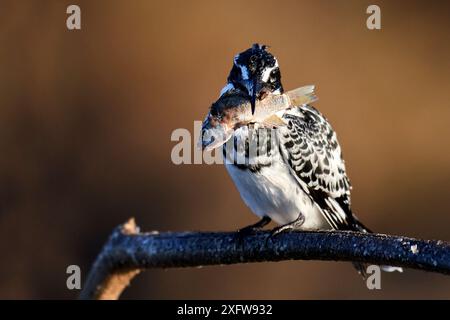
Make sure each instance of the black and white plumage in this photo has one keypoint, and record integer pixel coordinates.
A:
(302, 173)
(310, 147)
(299, 181)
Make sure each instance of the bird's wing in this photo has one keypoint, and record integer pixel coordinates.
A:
(310, 147)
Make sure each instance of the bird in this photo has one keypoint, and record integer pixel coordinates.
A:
(300, 180)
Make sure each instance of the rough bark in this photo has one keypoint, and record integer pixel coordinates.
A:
(128, 251)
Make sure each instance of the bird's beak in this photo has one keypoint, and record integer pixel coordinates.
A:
(253, 95)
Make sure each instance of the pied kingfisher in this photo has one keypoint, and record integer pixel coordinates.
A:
(301, 183)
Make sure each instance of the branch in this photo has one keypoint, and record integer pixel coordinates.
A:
(127, 252)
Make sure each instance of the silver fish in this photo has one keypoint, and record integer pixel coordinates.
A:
(232, 111)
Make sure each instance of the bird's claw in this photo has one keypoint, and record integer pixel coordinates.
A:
(251, 229)
(289, 227)
(245, 232)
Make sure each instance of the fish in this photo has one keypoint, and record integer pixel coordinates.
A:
(232, 111)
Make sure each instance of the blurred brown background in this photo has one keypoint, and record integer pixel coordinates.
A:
(86, 118)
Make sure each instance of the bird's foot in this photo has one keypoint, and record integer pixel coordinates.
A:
(248, 230)
(252, 229)
(289, 227)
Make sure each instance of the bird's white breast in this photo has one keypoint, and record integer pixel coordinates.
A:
(274, 192)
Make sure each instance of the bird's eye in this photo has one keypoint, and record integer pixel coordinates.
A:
(274, 75)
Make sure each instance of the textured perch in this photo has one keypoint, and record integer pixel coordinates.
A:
(127, 252)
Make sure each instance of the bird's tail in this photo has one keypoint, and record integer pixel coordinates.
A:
(361, 267)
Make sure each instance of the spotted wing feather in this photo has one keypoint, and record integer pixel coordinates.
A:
(309, 145)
